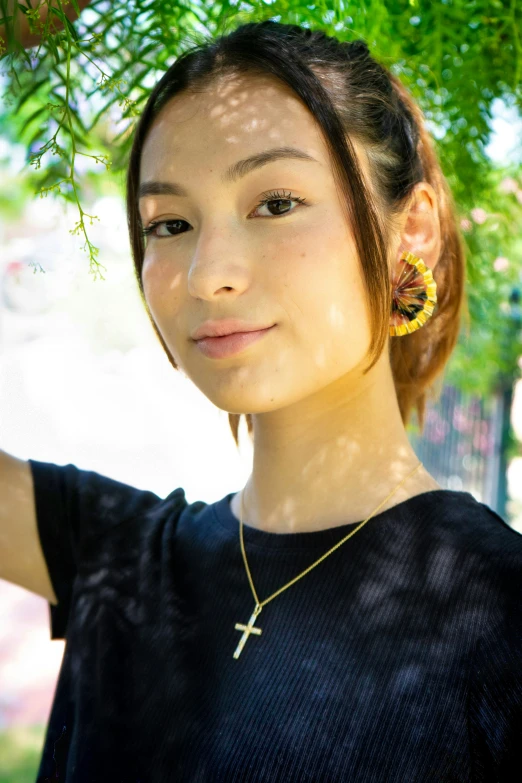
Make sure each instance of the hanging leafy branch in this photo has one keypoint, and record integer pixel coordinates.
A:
(78, 74)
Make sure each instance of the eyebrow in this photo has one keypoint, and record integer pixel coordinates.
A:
(235, 172)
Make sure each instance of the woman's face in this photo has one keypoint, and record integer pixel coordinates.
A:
(286, 263)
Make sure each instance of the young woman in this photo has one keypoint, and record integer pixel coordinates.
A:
(343, 617)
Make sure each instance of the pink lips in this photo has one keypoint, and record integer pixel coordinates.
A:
(222, 347)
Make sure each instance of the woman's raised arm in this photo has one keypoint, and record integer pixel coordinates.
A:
(22, 561)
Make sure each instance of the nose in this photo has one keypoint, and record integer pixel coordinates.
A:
(220, 265)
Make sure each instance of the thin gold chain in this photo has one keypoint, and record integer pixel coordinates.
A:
(260, 604)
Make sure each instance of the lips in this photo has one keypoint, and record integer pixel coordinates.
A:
(226, 326)
(229, 345)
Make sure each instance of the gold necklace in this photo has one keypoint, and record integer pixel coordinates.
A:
(249, 628)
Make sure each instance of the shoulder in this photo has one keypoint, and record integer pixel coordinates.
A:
(481, 528)
(82, 506)
(483, 550)
(464, 518)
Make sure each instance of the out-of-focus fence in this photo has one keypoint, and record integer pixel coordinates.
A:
(463, 444)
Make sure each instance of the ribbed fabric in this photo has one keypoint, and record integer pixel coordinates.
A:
(396, 659)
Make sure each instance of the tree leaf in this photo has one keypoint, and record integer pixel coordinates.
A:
(72, 29)
(33, 87)
(32, 117)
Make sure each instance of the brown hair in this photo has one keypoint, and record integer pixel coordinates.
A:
(351, 95)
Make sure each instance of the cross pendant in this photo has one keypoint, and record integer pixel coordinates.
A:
(247, 630)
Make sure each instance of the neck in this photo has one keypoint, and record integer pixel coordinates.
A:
(331, 461)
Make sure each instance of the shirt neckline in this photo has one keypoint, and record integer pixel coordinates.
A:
(321, 538)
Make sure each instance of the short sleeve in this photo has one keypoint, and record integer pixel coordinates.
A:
(495, 701)
(73, 505)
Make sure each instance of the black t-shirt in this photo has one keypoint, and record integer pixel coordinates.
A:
(396, 659)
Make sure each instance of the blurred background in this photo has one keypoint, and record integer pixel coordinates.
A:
(83, 378)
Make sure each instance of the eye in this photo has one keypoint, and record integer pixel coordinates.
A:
(171, 226)
(166, 224)
(279, 199)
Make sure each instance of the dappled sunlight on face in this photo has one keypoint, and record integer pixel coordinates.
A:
(291, 263)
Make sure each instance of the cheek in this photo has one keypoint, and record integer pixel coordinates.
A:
(161, 285)
(321, 283)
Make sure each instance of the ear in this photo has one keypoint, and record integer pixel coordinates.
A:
(420, 232)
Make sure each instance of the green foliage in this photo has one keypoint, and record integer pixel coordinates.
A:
(75, 98)
(20, 751)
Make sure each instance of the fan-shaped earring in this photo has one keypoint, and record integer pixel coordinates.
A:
(414, 295)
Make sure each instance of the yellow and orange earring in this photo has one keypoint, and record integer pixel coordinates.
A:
(414, 295)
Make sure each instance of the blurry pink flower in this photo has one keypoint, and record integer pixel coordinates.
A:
(500, 264)
(508, 185)
(465, 224)
(478, 215)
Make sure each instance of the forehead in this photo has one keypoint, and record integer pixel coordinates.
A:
(236, 116)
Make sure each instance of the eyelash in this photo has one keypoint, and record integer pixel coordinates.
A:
(267, 198)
